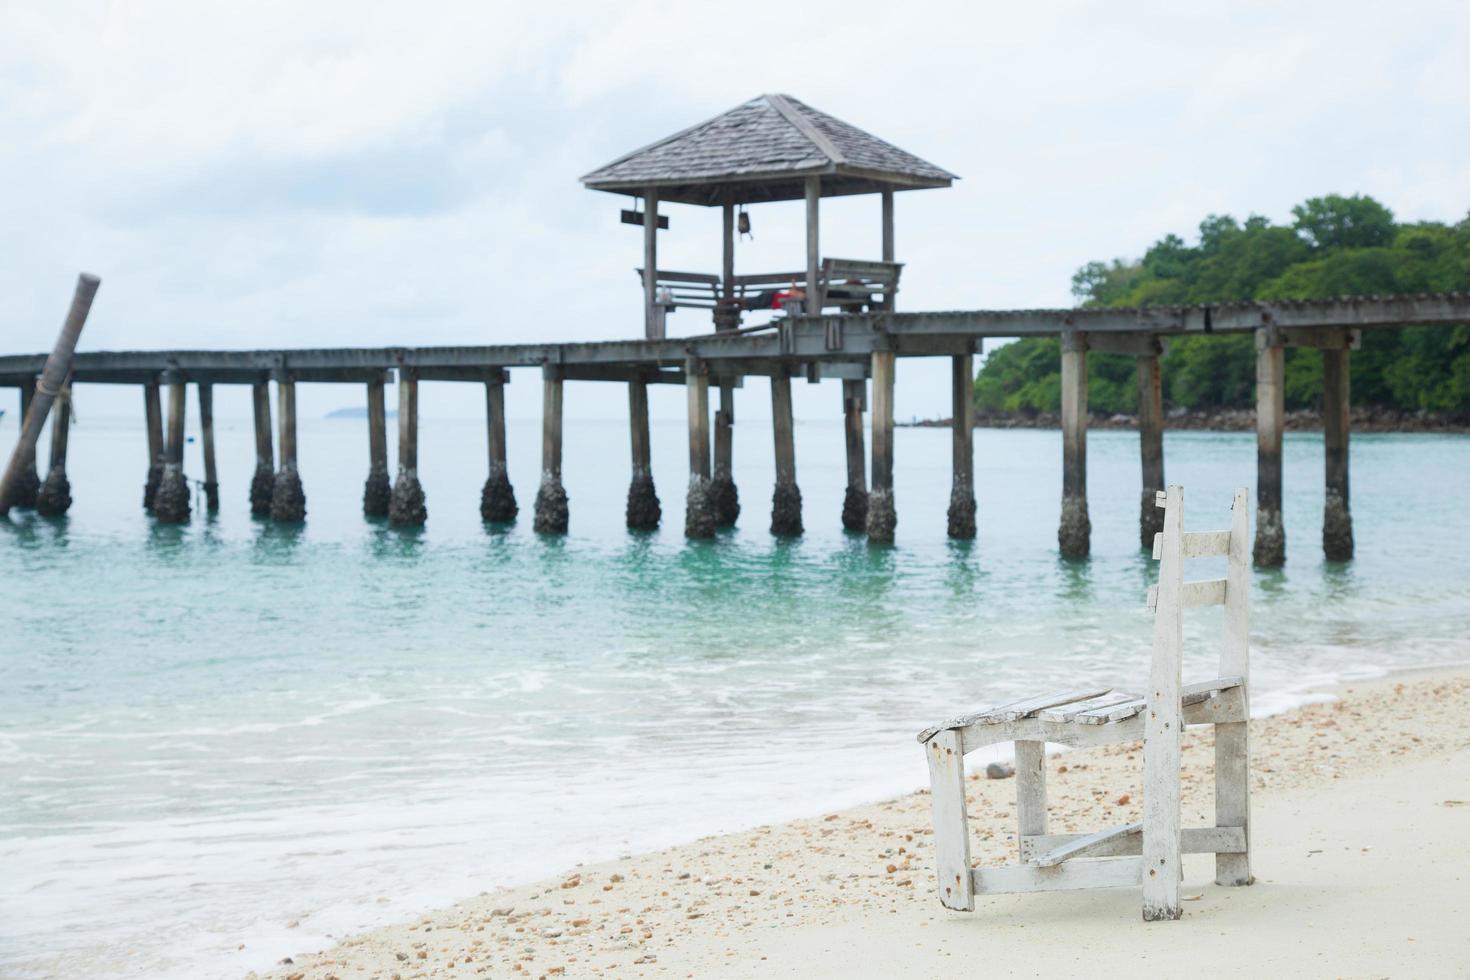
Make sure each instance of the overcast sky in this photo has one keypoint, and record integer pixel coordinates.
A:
(348, 173)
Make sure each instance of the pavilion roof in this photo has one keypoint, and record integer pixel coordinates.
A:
(763, 150)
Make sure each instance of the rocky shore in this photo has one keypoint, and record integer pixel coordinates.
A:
(1364, 419)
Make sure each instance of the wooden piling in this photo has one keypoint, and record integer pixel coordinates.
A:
(1151, 447)
(962, 428)
(855, 501)
(724, 495)
(205, 394)
(699, 516)
(786, 499)
(19, 483)
(406, 507)
(153, 414)
(1337, 519)
(1270, 544)
(288, 498)
(1074, 534)
(262, 483)
(171, 502)
(377, 490)
(643, 511)
(882, 515)
(551, 497)
(497, 497)
(54, 498)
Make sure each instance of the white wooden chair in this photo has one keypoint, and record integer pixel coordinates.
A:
(1148, 853)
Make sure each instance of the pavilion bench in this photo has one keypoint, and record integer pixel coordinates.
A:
(1146, 853)
(849, 285)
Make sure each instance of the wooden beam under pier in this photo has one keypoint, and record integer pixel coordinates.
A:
(205, 393)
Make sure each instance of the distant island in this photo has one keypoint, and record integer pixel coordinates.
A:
(356, 412)
(1412, 379)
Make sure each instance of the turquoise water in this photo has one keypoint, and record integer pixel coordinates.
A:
(209, 732)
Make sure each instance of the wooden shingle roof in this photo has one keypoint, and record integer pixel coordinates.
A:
(762, 151)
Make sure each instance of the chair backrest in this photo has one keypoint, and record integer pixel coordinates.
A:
(1172, 547)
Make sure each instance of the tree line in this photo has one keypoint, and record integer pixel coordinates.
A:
(1334, 246)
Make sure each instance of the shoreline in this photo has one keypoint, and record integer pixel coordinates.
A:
(714, 905)
(1365, 419)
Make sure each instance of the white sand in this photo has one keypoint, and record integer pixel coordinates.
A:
(1362, 859)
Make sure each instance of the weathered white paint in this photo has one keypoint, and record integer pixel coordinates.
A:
(1196, 840)
(1198, 544)
(1232, 740)
(1105, 873)
(1163, 721)
(1030, 788)
(1085, 845)
(951, 824)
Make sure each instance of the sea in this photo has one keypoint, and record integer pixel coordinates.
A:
(229, 742)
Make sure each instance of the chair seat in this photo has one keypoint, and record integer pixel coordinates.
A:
(1079, 706)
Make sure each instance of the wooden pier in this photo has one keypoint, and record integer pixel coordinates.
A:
(835, 320)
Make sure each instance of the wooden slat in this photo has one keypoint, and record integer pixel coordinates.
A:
(1198, 544)
(1108, 715)
(1195, 840)
(1193, 595)
(1086, 845)
(1068, 712)
(1069, 734)
(1203, 690)
(1026, 707)
(1107, 873)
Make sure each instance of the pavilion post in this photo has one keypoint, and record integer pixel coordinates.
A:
(1074, 534)
(813, 246)
(882, 516)
(855, 502)
(786, 499)
(1337, 519)
(1270, 544)
(498, 497)
(153, 414)
(643, 510)
(962, 425)
(288, 498)
(551, 497)
(724, 495)
(1151, 446)
(727, 316)
(54, 499)
(653, 312)
(888, 252)
(171, 503)
(406, 507)
(205, 394)
(699, 512)
(377, 490)
(263, 482)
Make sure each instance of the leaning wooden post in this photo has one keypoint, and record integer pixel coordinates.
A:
(699, 513)
(1337, 519)
(53, 376)
(288, 498)
(406, 508)
(1074, 534)
(1232, 739)
(786, 499)
(153, 414)
(497, 497)
(643, 511)
(171, 503)
(28, 482)
(1270, 545)
(54, 500)
(882, 516)
(1150, 444)
(962, 489)
(551, 497)
(205, 393)
(377, 490)
(1163, 722)
(263, 482)
(855, 502)
(725, 496)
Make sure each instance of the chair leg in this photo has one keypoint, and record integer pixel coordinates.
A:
(1233, 799)
(1030, 790)
(951, 824)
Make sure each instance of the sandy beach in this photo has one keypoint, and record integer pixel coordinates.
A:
(1362, 860)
